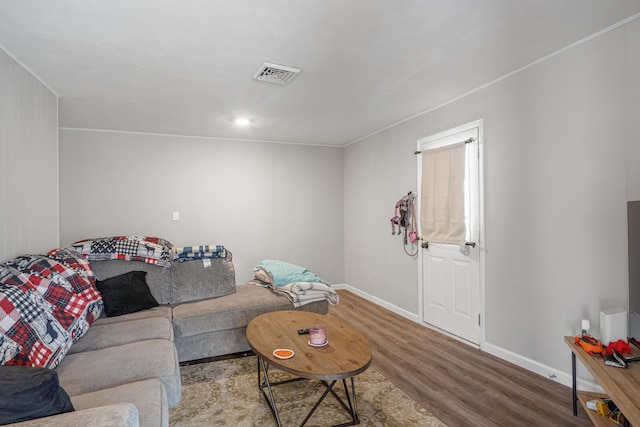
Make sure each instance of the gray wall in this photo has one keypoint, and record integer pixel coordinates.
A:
(561, 159)
(632, 39)
(260, 200)
(29, 162)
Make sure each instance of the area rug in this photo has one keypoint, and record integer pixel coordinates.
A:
(225, 393)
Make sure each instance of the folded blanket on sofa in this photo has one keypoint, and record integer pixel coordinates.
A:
(188, 253)
(283, 273)
(298, 284)
(301, 293)
(151, 250)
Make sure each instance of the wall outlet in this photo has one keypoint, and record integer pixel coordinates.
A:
(176, 216)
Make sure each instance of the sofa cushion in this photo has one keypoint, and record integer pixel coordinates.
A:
(117, 415)
(148, 396)
(91, 371)
(27, 393)
(126, 293)
(232, 311)
(113, 334)
(202, 278)
(160, 311)
(158, 277)
(216, 327)
(212, 344)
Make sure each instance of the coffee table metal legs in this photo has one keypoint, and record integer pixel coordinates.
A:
(262, 383)
(351, 406)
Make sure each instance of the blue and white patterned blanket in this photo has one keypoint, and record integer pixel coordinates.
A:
(188, 253)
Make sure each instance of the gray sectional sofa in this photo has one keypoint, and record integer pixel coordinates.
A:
(125, 370)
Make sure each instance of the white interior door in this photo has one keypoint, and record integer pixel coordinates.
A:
(451, 274)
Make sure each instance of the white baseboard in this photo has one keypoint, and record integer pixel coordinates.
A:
(511, 357)
(541, 369)
(399, 311)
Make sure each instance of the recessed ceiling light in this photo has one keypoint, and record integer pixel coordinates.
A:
(241, 121)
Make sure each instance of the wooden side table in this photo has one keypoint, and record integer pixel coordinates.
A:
(347, 354)
(621, 385)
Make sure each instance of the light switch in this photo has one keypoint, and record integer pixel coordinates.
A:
(176, 216)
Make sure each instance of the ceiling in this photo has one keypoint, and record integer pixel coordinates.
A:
(185, 67)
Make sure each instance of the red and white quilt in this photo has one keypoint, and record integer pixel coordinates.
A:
(152, 250)
(47, 302)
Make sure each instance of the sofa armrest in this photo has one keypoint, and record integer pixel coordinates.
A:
(117, 415)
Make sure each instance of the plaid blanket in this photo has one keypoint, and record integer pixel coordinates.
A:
(151, 250)
(67, 270)
(33, 331)
(188, 253)
(47, 302)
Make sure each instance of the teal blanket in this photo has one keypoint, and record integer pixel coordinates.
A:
(284, 273)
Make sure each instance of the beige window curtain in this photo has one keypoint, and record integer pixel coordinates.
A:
(442, 198)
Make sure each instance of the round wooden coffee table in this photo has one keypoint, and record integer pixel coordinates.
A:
(347, 354)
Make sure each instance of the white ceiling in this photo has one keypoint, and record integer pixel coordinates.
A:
(185, 67)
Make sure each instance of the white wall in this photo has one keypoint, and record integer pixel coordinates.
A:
(378, 172)
(260, 200)
(29, 159)
(632, 36)
(556, 176)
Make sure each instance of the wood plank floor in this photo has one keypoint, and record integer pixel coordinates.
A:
(459, 384)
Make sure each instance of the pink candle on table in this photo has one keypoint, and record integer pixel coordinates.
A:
(318, 335)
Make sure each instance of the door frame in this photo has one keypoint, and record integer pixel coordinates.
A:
(482, 238)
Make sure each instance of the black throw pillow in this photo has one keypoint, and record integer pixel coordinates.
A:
(28, 392)
(126, 293)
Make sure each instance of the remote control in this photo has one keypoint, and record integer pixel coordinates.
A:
(303, 331)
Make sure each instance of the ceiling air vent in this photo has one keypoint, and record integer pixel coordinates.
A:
(275, 73)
